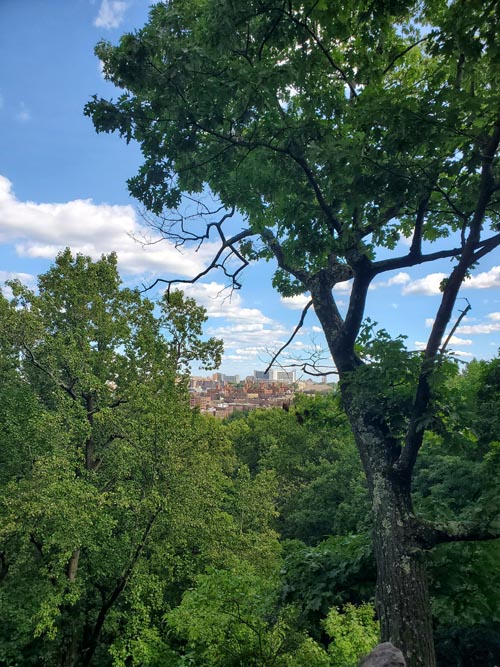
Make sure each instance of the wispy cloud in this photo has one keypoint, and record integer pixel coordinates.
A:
(221, 302)
(420, 345)
(111, 14)
(400, 278)
(430, 284)
(41, 230)
(249, 335)
(298, 302)
(472, 329)
(456, 340)
(483, 327)
(484, 280)
(26, 278)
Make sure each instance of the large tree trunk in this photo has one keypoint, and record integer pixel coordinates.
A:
(402, 597)
(402, 591)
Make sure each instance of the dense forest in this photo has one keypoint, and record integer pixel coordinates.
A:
(135, 531)
(341, 143)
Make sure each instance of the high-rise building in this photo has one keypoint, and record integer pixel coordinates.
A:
(275, 375)
(226, 379)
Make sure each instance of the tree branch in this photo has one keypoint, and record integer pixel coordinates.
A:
(89, 650)
(324, 50)
(414, 438)
(416, 243)
(275, 247)
(428, 535)
(411, 260)
(218, 262)
(295, 331)
(67, 388)
(403, 53)
(463, 313)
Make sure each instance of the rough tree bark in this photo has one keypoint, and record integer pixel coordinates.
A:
(402, 596)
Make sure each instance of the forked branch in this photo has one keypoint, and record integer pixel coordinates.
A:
(295, 332)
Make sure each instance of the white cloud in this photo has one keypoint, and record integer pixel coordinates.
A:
(43, 230)
(111, 14)
(484, 280)
(428, 285)
(429, 322)
(316, 329)
(221, 302)
(420, 345)
(298, 302)
(100, 66)
(248, 334)
(343, 287)
(455, 340)
(250, 339)
(25, 278)
(400, 278)
(472, 329)
(482, 328)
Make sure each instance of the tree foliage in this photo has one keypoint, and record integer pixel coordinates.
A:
(109, 481)
(334, 132)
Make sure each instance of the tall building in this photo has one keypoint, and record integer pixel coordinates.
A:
(226, 379)
(275, 375)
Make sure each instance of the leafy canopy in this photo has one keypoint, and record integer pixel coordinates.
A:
(331, 125)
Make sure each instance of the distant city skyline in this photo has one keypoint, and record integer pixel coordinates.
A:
(62, 185)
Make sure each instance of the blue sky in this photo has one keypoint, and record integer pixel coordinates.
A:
(62, 185)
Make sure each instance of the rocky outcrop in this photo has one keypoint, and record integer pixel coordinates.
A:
(384, 655)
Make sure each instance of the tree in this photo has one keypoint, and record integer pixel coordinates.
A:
(333, 131)
(310, 449)
(109, 479)
(182, 319)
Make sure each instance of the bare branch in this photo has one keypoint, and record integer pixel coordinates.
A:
(295, 331)
(310, 368)
(463, 313)
(219, 261)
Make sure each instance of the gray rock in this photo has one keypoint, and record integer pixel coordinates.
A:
(384, 655)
